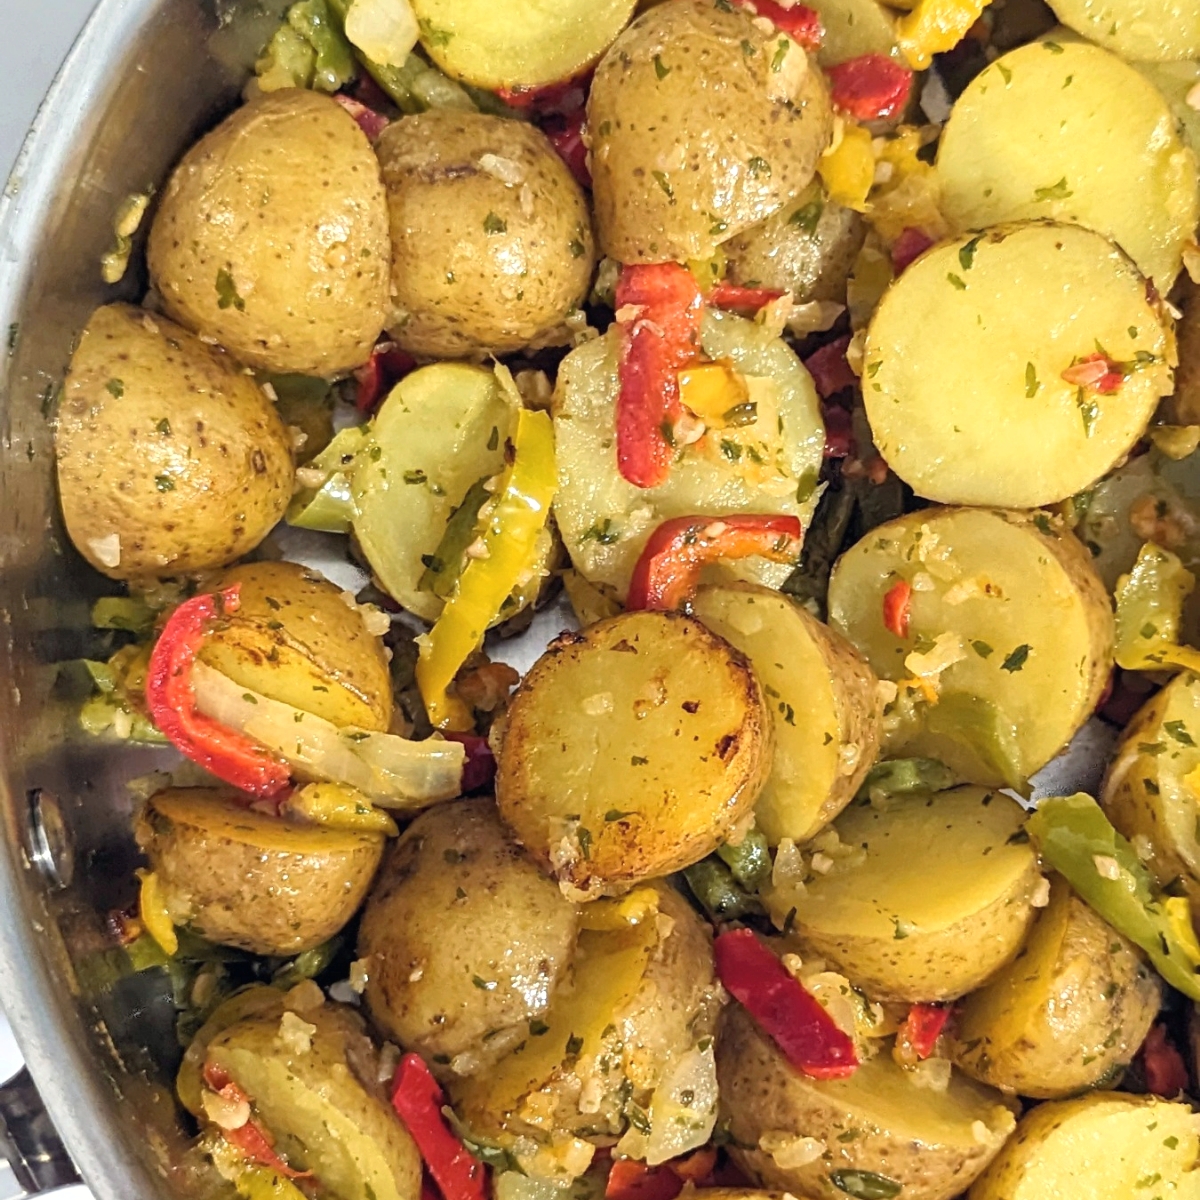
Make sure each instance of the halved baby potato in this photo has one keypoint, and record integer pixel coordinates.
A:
(1016, 147)
(631, 750)
(1008, 636)
(937, 899)
(680, 166)
(1069, 1011)
(295, 638)
(768, 465)
(824, 702)
(1150, 793)
(1155, 30)
(244, 879)
(874, 1133)
(522, 45)
(1104, 1146)
(981, 413)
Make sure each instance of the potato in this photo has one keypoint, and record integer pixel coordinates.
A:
(807, 248)
(824, 702)
(518, 46)
(768, 466)
(1025, 629)
(936, 899)
(491, 236)
(464, 938)
(873, 1130)
(272, 237)
(981, 414)
(304, 1073)
(1066, 1014)
(680, 166)
(1158, 30)
(294, 638)
(443, 431)
(631, 750)
(1150, 793)
(244, 879)
(1175, 80)
(170, 460)
(641, 1010)
(1017, 147)
(1099, 1147)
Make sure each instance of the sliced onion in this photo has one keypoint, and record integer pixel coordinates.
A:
(384, 30)
(677, 1127)
(391, 771)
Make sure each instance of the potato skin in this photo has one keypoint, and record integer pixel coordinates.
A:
(480, 266)
(1183, 406)
(680, 166)
(1076, 1003)
(631, 750)
(259, 883)
(761, 1093)
(457, 901)
(295, 639)
(272, 237)
(164, 442)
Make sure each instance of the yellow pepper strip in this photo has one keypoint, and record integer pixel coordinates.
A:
(152, 909)
(1149, 609)
(712, 391)
(505, 550)
(935, 26)
(337, 806)
(848, 170)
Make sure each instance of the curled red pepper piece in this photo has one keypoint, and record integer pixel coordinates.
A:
(418, 1102)
(897, 608)
(251, 1138)
(379, 374)
(735, 298)
(171, 700)
(1097, 372)
(799, 22)
(839, 430)
(372, 123)
(830, 370)
(630, 1179)
(909, 246)
(870, 86)
(480, 768)
(565, 134)
(792, 1017)
(659, 309)
(669, 566)
(923, 1026)
(1162, 1064)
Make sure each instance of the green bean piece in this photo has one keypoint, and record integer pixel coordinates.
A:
(334, 67)
(713, 885)
(445, 565)
(288, 61)
(900, 776)
(749, 861)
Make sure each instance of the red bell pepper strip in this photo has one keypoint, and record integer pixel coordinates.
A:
(897, 608)
(830, 370)
(658, 309)
(480, 768)
(799, 22)
(870, 86)
(566, 96)
(372, 123)
(565, 134)
(171, 700)
(923, 1026)
(792, 1017)
(669, 566)
(1097, 372)
(251, 1139)
(908, 247)
(379, 374)
(418, 1102)
(839, 430)
(1162, 1064)
(741, 299)
(630, 1179)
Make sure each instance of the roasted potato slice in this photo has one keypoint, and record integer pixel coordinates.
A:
(1099, 1147)
(244, 879)
(1157, 30)
(464, 938)
(821, 1138)
(680, 167)
(170, 458)
(824, 702)
(295, 638)
(1069, 1011)
(632, 749)
(937, 898)
(272, 237)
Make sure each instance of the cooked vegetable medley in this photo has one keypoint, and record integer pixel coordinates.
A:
(621, 509)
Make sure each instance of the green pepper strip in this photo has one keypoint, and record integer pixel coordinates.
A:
(1078, 841)
(1149, 610)
(508, 544)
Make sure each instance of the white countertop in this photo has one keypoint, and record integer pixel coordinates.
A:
(37, 36)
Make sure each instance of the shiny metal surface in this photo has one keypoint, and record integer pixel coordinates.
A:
(141, 82)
